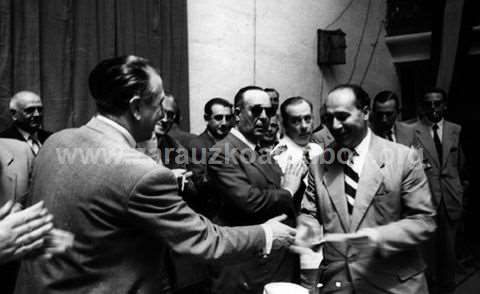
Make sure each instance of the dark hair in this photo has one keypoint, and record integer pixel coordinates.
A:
(385, 96)
(436, 90)
(272, 90)
(207, 110)
(238, 100)
(292, 101)
(114, 81)
(362, 100)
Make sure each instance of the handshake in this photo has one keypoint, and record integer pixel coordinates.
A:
(30, 232)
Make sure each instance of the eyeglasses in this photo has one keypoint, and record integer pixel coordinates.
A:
(296, 120)
(258, 109)
(170, 115)
(221, 117)
(32, 109)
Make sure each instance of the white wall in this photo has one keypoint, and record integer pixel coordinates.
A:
(273, 43)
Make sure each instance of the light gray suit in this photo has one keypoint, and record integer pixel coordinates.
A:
(124, 210)
(394, 199)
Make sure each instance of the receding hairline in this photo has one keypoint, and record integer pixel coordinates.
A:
(17, 97)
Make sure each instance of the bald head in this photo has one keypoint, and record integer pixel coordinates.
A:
(27, 111)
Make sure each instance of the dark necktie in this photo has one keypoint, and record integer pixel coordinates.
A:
(438, 143)
(389, 135)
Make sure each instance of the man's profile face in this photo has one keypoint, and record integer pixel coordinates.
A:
(254, 115)
(299, 123)
(272, 130)
(384, 115)
(433, 106)
(29, 113)
(345, 121)
(274, 99)
(163, 126)
(220, 121)
(152, 112)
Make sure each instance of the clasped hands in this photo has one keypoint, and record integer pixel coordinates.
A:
(30, 232)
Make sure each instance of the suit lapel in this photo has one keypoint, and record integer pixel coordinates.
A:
(266, 169)
(448, 137)
(8, 178)
(423, 133)
(370, 180)
(334, 182)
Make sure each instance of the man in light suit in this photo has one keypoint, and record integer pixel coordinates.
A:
(377, 200)
(250, 190)
(15, 166)
(384, 121)
(444, 164)
(123, 207)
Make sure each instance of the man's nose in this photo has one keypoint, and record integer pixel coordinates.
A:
(36, 112)
(336, 124)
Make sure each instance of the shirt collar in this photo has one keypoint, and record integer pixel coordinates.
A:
(26, 134)
(362, 148)
(241, 137)
(118, 127)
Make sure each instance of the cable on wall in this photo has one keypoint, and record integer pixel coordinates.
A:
(362, 36)
(340, 15)
(374, 45)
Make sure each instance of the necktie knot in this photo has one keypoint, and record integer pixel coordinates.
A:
(435, 127)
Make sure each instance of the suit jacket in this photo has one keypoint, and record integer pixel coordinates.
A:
(404, 133)
(178, 134)
(198, 154)
(394, 199)
(124, 211)
(13, 133)
(250, 194)
(445, 179)
(15, 163)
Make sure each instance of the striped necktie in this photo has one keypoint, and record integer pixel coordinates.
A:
(351, 184)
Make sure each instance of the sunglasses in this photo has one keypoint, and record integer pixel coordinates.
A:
(221, 117)
(433, 104)
(170, 115)
(257, 110)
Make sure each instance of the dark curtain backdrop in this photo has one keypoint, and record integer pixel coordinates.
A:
(51, 46)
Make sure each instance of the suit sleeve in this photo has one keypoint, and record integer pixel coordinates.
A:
(154, 205)
(261, 203)
(417, 223)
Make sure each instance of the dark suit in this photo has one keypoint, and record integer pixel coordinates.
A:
(250, 194)
(404, 133)
(15, 163)
(13, 133)
(124, 211)
(445, 181)
(392, 198)
(198, 153)
(180, 135)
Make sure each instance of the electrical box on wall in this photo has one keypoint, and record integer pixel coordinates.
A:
(331, 47)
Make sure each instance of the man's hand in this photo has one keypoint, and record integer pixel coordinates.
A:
(364, 239)
(182, 176)
(283, 235)
(294, 173)
(57, 242)
(23, 231)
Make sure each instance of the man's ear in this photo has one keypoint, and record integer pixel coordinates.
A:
(206, 117)
(366, 112)
(134, 105)
(14, 114)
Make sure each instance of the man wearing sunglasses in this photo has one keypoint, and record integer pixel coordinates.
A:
(27, 114)
(444, 165)
(251, 190)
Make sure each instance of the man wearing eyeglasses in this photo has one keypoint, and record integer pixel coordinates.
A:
(251, 189)
(26, 109)
(444, 165)
(297, 121)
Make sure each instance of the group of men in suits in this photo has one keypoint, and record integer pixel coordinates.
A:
(444, 164)
(130, 214)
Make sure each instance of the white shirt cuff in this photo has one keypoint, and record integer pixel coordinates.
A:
(268, 239)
